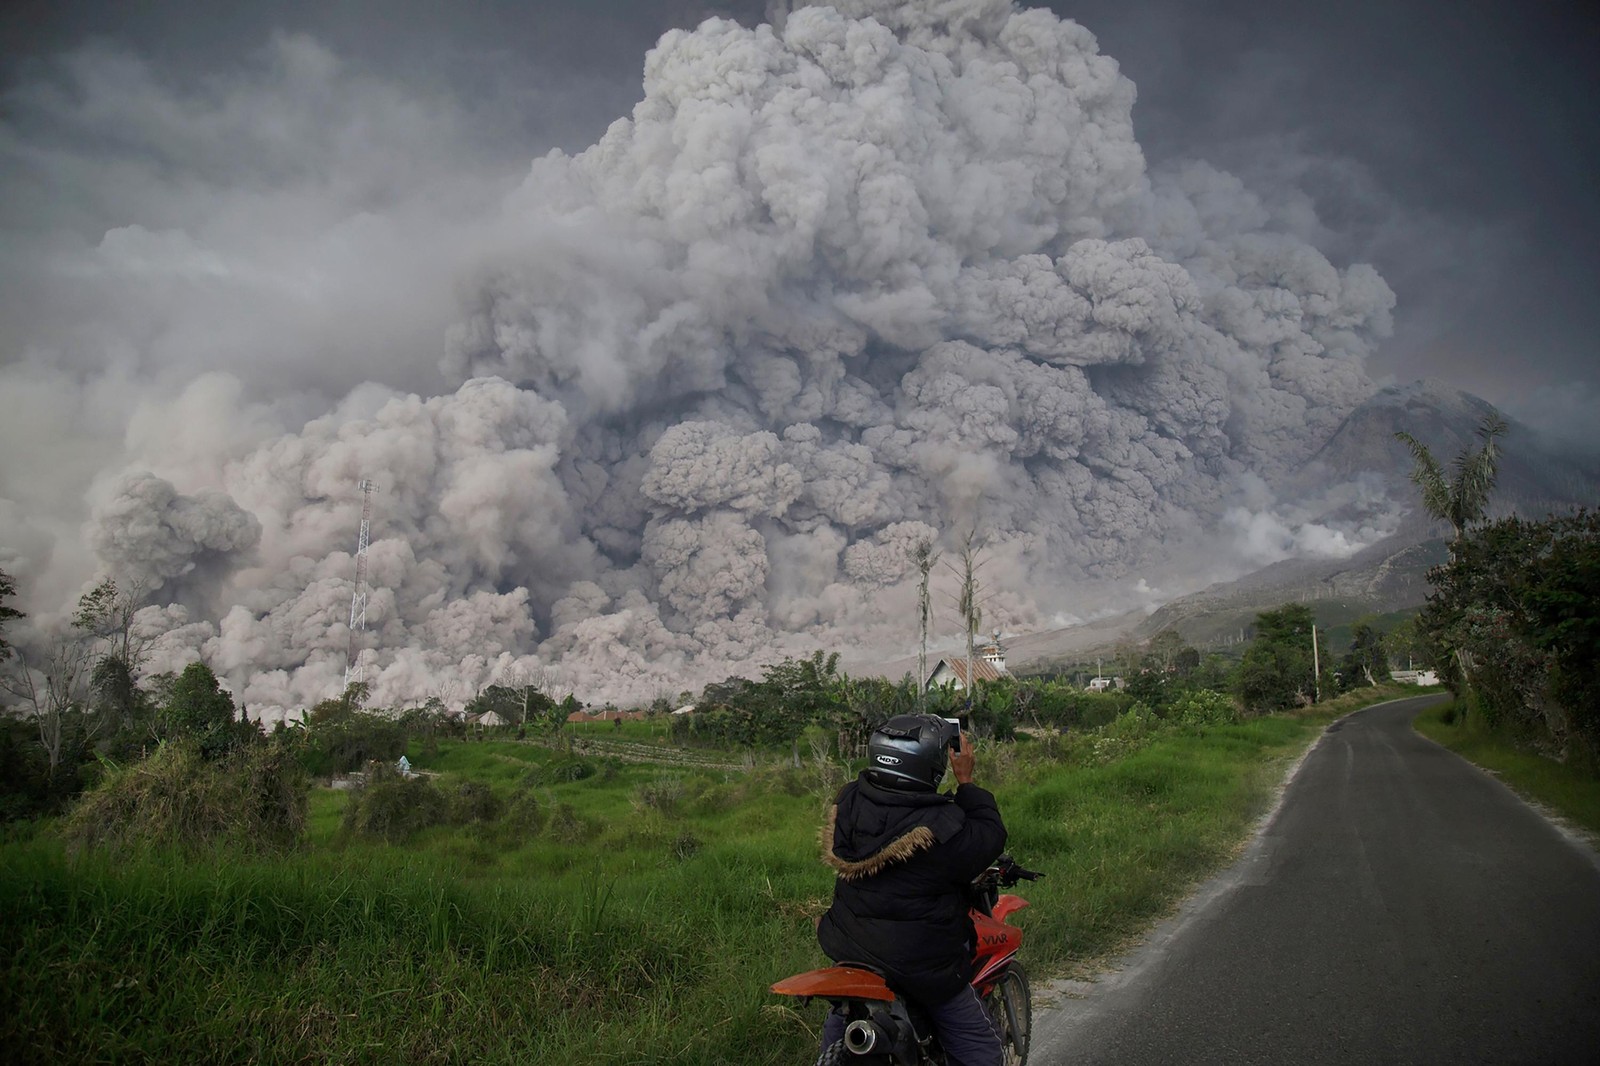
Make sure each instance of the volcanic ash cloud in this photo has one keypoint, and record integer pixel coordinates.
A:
(889, 271)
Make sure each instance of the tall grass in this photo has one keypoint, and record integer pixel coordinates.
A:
(646, 931)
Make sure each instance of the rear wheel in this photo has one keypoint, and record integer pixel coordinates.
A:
(838, 1055)
(1011, 1006)
(834, 1055)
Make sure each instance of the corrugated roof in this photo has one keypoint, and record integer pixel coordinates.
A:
(982, 669)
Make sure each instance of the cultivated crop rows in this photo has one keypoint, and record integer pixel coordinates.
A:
(632, 751)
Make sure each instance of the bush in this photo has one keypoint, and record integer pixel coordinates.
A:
(566, 827)
(662, 795)
(685, 846)
(523, 816)
(24, 774)
(342, 740)
(255, 799)
(474, 802)
(1203, 707)
(559, 771)
(1130, 732)
(1065, 706)
(393, 808)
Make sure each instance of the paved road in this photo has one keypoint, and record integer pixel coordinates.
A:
(1401, 907)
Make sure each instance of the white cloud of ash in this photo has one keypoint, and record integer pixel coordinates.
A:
(670, 407)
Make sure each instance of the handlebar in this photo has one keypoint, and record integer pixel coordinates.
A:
(1006, 872)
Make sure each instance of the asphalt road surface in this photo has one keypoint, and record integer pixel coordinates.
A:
(1401, 906)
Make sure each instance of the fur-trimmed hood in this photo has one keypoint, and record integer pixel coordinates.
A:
(869, 828)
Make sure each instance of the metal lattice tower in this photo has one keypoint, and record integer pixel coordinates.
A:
(358, 602)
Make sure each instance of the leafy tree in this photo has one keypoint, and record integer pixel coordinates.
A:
(1368, 659)
(116, 694)
(430, 723)
(200, 709)
(803, 686)
(1065, 705)
(1404, 644)
(1518, 598)
(992, 716)
(1164, 651)
(1278, 671)
(864, 703)
(518, 703)
(776, 710)
(498, 699)
(24, 777)
(1149, 685)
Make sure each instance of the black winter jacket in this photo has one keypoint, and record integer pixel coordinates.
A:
(904, 862)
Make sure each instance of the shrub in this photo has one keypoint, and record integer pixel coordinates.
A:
(392, 807)
(557, 771)
(343, 739)
(662, 795)
(1203, 707)
(685, 846)
(255, 799)
(523, 815)
(474, 801)
(566, 827)
(1130, 732)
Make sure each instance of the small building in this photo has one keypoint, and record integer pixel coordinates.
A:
(955, 671)
(1103, 684)
(488, 720)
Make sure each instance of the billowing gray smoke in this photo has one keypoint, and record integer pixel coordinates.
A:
(888, 271)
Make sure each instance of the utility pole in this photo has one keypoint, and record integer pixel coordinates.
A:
(1316, 666)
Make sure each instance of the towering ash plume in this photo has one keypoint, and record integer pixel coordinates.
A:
(886, 271)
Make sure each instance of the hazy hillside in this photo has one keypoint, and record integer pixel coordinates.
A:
(1387, 576)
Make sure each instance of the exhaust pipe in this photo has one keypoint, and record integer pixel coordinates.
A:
(861, 1036)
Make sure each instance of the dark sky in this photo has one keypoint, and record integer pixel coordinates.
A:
(1451, 144)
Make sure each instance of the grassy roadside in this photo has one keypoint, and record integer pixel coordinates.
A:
(1570, 793)
(639, 918)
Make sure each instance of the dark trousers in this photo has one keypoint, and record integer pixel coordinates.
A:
(966, 1032)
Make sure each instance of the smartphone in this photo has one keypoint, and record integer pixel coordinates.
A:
(955, 744)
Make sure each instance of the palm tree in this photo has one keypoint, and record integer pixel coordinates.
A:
(924, 556)
(1463, 498)
(967, 604)
(1460, 500)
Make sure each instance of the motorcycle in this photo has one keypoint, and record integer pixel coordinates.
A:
(883, 1029)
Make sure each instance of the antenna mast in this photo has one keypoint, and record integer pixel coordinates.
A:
(358, 602)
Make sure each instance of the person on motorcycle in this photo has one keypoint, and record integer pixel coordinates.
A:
(905, 855)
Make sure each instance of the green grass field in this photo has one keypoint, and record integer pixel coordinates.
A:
(638, 919)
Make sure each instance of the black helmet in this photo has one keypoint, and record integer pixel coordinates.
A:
(908, 752)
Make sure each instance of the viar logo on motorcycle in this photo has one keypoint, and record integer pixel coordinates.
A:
(885, 1029)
